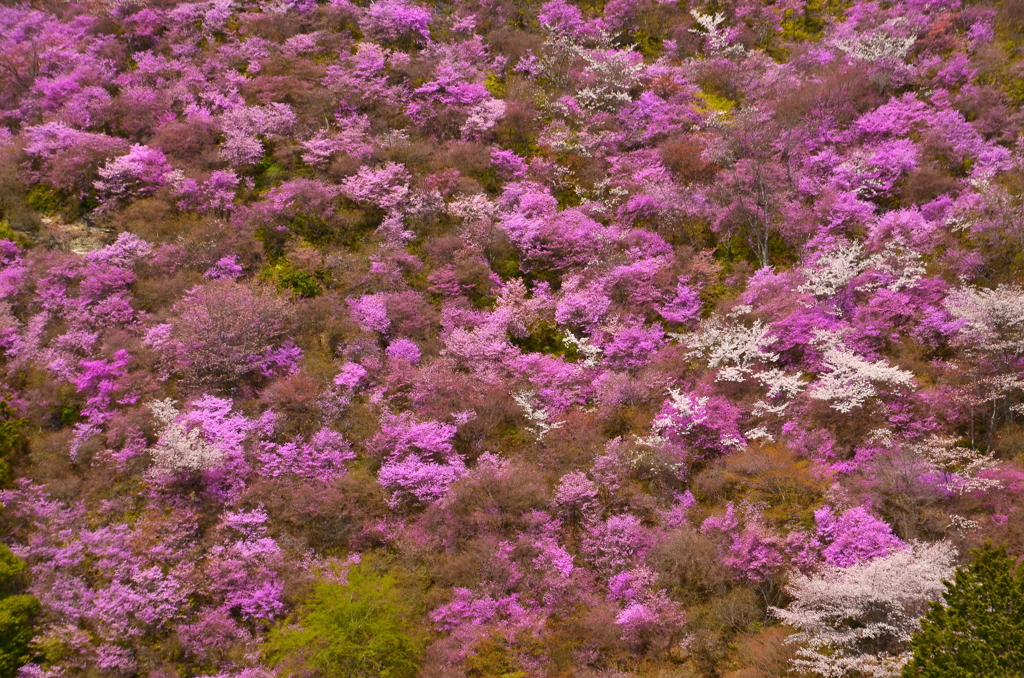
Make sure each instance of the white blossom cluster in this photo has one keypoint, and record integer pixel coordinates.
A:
(877, 46)
(857, 620)
(992, 319)
(614, 74)
(959, 465)
(781, 387)
(482, 117)
(849, 379)
(473, 208)
(899, 261)
(180, 448)
(688, 408)
(611, 73)
(833, 270)
(732, 346)
(540, 418)
(583, 346)
(718, 41)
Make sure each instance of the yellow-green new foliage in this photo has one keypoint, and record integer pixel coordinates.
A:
(364, 628)
(16, 615)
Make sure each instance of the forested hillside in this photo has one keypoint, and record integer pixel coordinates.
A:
(490, 339)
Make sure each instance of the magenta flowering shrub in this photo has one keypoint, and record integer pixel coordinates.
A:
(746, 546)
(243, 568)
(110, 594)
(548, 237)
(698, 425)
(561, 17)
(371, 313)
(393, 20)
(243, 127)
(403, 350)
(66, 158)
(649, 619)
(215, 194)
(615, 544)
(223, 334)
(684, 306)
(575, 496)
(322, 456)
(419, 460)
(632, 345)
(141, 172)
(605, 332)
(854, 536)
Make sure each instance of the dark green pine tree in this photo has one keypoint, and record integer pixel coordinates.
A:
(979, 632)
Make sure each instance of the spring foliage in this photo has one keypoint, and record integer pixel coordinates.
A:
(17, 615)
(361, 626)
(637, 337)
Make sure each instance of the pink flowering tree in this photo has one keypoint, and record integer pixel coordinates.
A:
(224, 335)
(420, 462)
(139, 173)
(396, 20)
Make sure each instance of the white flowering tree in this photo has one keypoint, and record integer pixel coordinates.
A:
(719, 40)
(740, 352)
(540, 419)
(180, 448)
(959, 466)
(857, 620)
(992, 320)
(833, 269)
(732, 348)
(991, 334)
(849, 379)
(877, 46)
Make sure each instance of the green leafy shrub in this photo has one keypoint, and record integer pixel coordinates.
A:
(17, 612)
(364, 628)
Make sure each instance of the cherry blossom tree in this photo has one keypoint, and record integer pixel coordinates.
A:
(859, 619)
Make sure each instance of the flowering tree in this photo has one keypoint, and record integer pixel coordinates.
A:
(859, 619)
(223, 334)
(393, 20)
(141, 172)
(420, 463)
(179, 448)
(990, 324)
